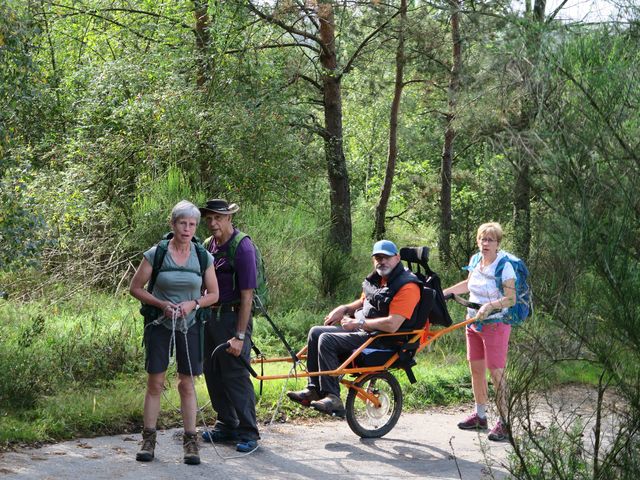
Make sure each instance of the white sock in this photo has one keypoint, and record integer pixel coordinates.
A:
(481, 410)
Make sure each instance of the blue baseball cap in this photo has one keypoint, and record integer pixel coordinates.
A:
(385, 247)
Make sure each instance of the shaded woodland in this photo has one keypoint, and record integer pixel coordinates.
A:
(372, 117)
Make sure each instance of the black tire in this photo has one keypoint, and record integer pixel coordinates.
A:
(364, 419)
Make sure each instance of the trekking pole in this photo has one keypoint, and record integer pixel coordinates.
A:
(222, 347)
(279, 334)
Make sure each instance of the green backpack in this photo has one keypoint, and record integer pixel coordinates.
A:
(261, 293)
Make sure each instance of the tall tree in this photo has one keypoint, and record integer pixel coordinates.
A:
(444, 243)
(528, 113)
(203, 40)
(340, 194)
(316, 39)
(392, 155)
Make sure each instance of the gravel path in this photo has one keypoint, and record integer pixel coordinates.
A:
(422, 445)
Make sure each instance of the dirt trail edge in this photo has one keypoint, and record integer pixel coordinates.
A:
(422, 445)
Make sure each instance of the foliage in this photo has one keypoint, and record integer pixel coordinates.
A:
(592, 278)
(105, 126)
(47, 348)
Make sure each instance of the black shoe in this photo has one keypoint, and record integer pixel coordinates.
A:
(304, 397)
(331, 405)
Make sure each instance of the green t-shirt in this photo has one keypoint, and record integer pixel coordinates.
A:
(178, 283)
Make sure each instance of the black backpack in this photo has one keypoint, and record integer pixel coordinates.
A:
(432, 306)
(149, 312)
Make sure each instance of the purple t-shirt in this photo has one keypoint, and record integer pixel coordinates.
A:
(245, 268)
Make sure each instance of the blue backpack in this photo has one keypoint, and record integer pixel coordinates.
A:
(524, 303)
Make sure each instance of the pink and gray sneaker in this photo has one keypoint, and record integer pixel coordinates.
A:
(473, 422)
(499, 433)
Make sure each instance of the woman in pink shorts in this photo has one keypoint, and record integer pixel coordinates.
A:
(488, 342)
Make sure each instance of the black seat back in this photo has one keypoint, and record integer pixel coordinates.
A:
(432, 303)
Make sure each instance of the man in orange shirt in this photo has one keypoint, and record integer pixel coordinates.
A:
(390, 295)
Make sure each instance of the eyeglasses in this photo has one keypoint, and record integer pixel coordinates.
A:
(487, 240)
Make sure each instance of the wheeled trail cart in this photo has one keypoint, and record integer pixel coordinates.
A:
(374, 399)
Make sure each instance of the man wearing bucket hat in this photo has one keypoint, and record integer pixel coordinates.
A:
(228, 381)
(390, 295)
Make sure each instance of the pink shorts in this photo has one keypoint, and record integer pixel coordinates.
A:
(491, 344)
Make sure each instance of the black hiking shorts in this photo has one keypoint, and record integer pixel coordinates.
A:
(160, 348)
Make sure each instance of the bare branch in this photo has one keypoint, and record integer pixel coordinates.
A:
(275, 45)
(271, 19)
(311, 81)
(364, 43)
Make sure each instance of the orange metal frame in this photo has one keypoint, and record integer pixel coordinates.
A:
(425, 336)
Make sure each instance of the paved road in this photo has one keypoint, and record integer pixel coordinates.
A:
(422, 445)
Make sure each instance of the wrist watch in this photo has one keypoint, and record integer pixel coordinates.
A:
(239, 335)
(361, 323)
(197, 304)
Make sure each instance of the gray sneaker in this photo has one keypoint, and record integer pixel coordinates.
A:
(148, 446)
(190, 446)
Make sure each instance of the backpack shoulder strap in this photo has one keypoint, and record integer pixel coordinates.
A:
(202, 257)
(473, 263)
(207, 242)
(498, 274)
(233, 246)
(513, 260)
(158, 259)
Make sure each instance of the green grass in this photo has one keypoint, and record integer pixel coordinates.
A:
(60, 380)
(576, 371)
(74, 368)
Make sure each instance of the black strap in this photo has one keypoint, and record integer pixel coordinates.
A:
(258, 353)
(406, 356)
(158, 259)
(462, 301)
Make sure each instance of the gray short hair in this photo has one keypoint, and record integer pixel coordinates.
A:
(184, 209)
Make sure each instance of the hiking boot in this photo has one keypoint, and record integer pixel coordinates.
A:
(331, 404)
(473, 422)
(190, 447)
(219, 436)
(499, 433)
(247, 446)
(304, 397)
(148, 446)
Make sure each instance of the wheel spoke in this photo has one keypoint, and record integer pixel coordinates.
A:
(365, 418)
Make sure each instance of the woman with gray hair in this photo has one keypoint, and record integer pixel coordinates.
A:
(171, 301)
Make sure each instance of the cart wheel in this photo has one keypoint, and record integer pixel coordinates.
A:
(364, 418)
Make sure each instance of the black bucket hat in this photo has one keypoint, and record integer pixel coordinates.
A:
(218, 205)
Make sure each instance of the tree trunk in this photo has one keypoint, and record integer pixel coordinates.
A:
(204, 67)
(340, 195)
(392, 156)
(203, 40)
(522, 187)
(522, 209)
(444, 242)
